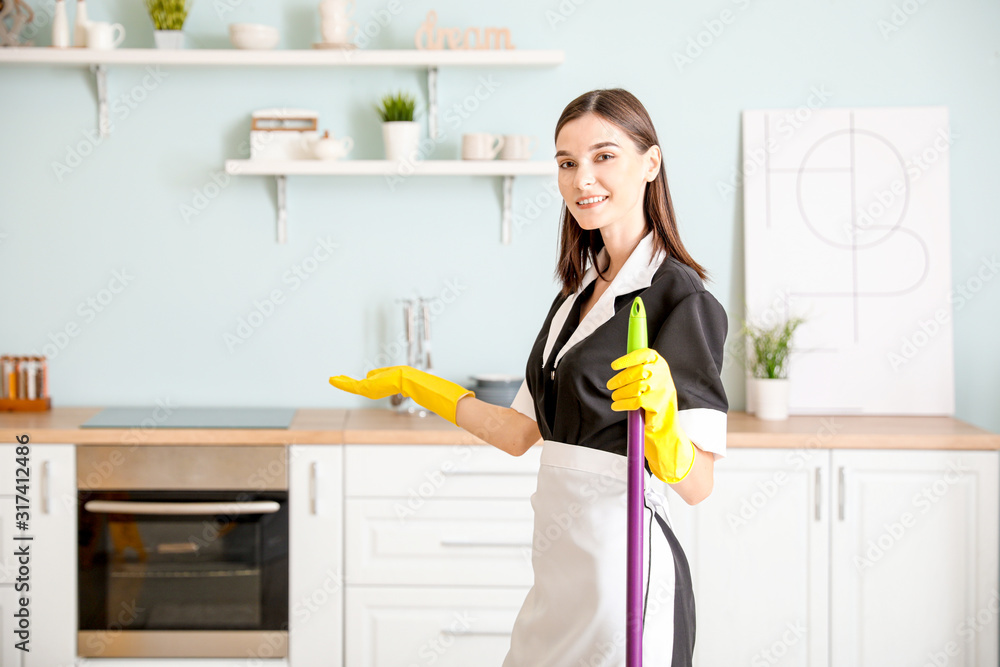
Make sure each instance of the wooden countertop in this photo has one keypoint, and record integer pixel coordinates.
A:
(376, 426)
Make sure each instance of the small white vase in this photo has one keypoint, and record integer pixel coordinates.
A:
(169, 39)
(402, 138)
(770, 398)
(60, 26)
(80, 24)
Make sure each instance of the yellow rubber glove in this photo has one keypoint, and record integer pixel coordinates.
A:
(436, 394)
(646, 383)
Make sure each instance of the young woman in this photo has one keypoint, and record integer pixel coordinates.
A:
(619, 240)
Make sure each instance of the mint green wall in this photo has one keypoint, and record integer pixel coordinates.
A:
(64, 237)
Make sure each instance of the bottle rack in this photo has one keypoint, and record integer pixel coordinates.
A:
(25, 386)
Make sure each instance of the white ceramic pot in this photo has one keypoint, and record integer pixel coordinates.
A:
(770, 398)
(401, 137)
(328, 148)
(169, 39)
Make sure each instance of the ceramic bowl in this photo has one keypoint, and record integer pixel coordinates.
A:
(253, 36)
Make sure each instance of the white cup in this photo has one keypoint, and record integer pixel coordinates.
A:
(100, 35)
(518, 146)
(336, 9)
(340, 31)
(481, 146)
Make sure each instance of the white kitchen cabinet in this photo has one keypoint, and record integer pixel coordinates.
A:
(316, 576)
(437, 552)
(441, 626)
(417, 473)
(758, 547)
(837, 558)
(53, 497)
(52, 555)
(484, 542)
(914, 558)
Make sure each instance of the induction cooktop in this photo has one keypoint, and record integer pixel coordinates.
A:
(202, 417)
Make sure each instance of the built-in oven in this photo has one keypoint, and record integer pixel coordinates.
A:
(183, 551)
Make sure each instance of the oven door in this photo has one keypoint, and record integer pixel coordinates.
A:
(183, 573)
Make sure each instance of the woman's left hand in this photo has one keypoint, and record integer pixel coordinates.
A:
(645, 382)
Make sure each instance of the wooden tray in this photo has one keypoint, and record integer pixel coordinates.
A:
(25, 404)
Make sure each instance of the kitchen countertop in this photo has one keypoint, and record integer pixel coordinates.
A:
(379, 426)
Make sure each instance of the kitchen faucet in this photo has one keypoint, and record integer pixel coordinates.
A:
(417, 322)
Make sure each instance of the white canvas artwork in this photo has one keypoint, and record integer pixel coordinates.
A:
(846, 223)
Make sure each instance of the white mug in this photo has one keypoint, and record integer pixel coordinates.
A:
(339, 31)
(481, 146)
(336, 9)
(518, 146)
(100, 35)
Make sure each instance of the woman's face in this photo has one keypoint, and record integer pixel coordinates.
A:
(602, 177)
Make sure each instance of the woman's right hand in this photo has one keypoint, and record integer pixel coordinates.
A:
(432, 392)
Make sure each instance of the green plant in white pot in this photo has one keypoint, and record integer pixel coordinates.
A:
(168, 20)
(767, 390)
(400, 132)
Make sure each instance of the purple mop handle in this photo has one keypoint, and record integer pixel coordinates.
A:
(636, 493)
(636, 501)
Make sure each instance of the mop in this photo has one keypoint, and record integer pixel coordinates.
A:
(636, 495)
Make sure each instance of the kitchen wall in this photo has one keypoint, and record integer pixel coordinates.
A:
(151, 258)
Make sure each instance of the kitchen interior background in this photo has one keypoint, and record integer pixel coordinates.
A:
(138, 216)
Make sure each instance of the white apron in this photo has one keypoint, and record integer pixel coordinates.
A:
(574, 614)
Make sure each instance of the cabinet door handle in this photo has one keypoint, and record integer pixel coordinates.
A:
(840, 492)
(44, 483)
(313, 491)
(818, 503)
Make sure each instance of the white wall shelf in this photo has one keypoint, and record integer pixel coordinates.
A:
(38, 55)
(98, 61)
(281, 169)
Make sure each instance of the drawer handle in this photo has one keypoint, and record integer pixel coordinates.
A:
(475, 633)
(507, 473)
(481, 543)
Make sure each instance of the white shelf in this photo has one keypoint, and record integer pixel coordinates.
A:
(389, 168)
(281, 169)
(431, 59)
(42, 55)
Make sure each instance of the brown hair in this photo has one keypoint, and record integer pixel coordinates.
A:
(577, 245)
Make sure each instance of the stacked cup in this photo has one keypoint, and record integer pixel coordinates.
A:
(336, 25)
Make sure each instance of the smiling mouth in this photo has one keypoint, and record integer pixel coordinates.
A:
(591, 201)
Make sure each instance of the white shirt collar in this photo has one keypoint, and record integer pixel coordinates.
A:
(635, 274)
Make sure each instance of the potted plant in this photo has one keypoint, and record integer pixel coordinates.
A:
(168, 19)
(767, 389)
(400, 132)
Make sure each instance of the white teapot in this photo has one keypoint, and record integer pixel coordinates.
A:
(328, 148)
